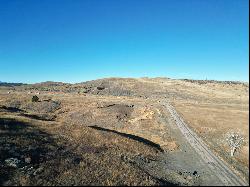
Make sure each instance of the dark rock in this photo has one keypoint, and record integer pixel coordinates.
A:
(100, 87)
(77, 160)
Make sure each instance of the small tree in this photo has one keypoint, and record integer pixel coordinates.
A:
(35, 98)
(234, 140)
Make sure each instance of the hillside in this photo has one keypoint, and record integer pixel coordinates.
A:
(118, 131)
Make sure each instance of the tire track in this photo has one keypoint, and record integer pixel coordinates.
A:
(224, 173)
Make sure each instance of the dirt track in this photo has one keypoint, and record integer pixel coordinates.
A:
(220, 169)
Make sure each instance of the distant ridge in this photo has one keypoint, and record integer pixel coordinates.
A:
(213, 81)
(8, 84)
(55, 83)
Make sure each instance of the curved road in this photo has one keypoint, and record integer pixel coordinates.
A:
(225, 174)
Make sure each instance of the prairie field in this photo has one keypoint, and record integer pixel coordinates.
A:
(116, 131)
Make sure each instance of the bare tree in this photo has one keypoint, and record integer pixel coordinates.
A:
(234, 140)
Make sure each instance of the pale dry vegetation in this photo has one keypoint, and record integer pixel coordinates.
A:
(95, 132)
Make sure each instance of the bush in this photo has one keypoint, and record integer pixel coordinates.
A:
(35, 98)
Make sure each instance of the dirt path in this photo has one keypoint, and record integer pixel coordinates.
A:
(220, 169)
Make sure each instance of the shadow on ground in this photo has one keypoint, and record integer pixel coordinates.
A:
(131, 136)
(25, 143)
(48, 160)
(11, 109)
(43, 117)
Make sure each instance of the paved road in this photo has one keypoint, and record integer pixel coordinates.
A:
(224, 173)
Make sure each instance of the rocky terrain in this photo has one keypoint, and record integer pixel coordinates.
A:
(117, 131)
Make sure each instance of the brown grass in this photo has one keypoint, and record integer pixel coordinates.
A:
(70, 155)
(212, 122)
(90, 156)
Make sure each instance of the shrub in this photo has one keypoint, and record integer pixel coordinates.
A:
(35, 98)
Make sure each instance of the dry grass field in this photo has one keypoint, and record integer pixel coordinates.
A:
(213, 121)
(226, 108)
(109, 131)
(70, 154)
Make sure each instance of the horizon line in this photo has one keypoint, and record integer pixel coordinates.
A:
(241, 81)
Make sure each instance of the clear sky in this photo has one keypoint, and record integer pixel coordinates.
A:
(79, 40)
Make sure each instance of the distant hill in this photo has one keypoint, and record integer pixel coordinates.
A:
(214, 81)
(8, 84)
(50, 84)
(139, 87)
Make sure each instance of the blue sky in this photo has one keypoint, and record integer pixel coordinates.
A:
(79, 40)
